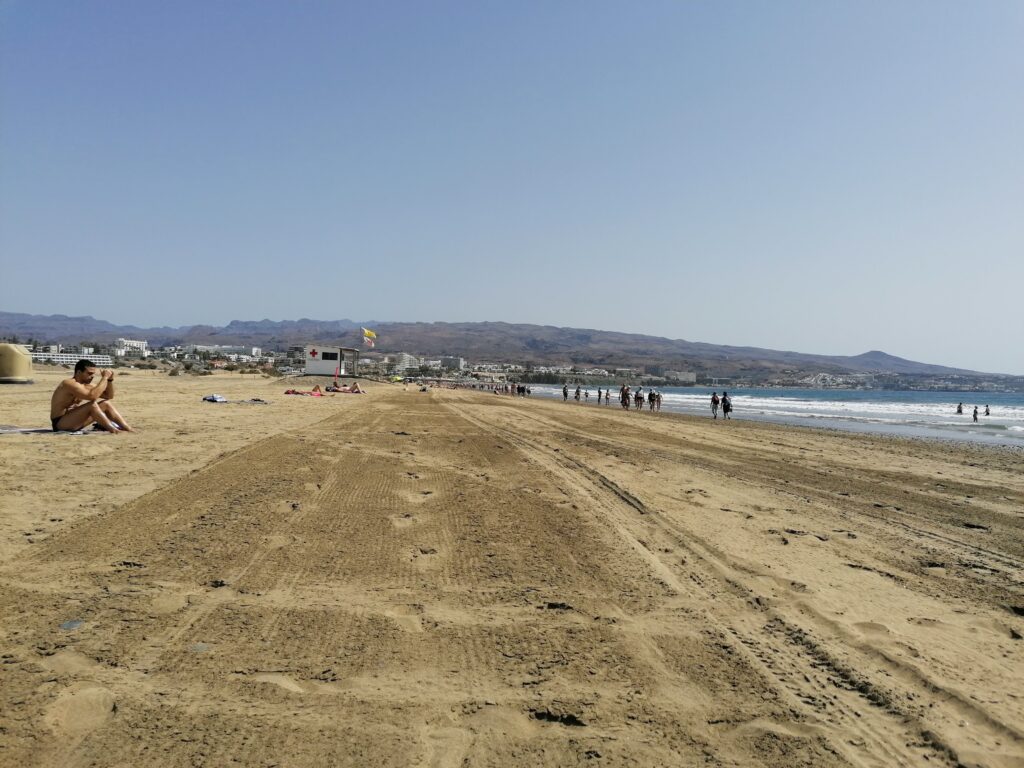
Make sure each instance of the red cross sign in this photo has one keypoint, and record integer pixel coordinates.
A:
(312, 353)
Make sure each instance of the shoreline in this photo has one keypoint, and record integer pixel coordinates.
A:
(998, 435)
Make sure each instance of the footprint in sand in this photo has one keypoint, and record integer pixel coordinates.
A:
(416, 497)
(281, 681)
(403, 521)
(68, 662)
(168, 603)
(445, 746)
(872, 628)
(80, 709)
(425, 556)
(407, 617)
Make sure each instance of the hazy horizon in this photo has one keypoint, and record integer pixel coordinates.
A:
(828, 179)
(379, 323)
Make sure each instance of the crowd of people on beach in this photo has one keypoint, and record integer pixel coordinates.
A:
(77, 403)
(331, 389)
(635, 399)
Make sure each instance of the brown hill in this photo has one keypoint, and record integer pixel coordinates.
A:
(494, 341)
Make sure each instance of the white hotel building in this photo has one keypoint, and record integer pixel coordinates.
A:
(124, 347)
(70, 358)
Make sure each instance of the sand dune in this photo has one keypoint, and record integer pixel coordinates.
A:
(452, 578)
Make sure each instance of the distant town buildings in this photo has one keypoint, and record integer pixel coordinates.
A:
(131, 348)
(681, 377)
(403, 362)
(70, 358)
(349, 362)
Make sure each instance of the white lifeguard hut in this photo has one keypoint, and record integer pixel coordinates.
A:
(325, 360)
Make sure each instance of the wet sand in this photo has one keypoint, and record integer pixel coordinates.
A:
(453, 578)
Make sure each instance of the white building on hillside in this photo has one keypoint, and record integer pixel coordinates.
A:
(405, 362)
(124, 347)
(684, 377)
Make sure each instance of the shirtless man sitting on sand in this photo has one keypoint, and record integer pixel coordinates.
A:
(75, 404)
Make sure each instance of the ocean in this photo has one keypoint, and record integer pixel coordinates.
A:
(914, 414)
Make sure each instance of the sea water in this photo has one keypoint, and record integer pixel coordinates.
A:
(919, 414)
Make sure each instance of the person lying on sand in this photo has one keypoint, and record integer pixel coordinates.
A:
(346, 389)
(75, 404)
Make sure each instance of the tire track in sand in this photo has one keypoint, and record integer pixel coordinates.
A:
(886, 731)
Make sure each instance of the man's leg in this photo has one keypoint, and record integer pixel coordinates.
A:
(82, 416)
(108, 408)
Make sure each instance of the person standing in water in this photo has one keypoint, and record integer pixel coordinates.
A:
(726, 406)
(975, 414)
(960, 409)
(986, 411)
(714, 405)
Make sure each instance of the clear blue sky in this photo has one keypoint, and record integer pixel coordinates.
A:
(815, 176)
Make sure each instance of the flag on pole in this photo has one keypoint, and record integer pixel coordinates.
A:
(368, 337)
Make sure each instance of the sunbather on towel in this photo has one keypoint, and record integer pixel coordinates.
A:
(75, 404)
(349, 390)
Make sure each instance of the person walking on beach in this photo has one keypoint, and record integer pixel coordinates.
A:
(975, 414)
(726, 406)
(565, 393)
(75, 405)
(586, 396)
(577, 393)
(714, 405)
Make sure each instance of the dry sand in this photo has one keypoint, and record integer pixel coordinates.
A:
(453, 578)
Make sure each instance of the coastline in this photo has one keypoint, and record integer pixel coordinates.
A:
(409, 577)
(877, 412)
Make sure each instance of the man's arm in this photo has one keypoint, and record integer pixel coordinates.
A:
(108, 393)
(95, 392)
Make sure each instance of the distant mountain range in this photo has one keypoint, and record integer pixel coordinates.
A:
(492, 341)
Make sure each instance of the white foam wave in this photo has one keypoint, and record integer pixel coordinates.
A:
(884, 413)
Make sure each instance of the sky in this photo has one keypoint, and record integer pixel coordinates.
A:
(819, 177)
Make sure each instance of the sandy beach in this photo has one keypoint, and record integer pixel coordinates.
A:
(455, 578)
